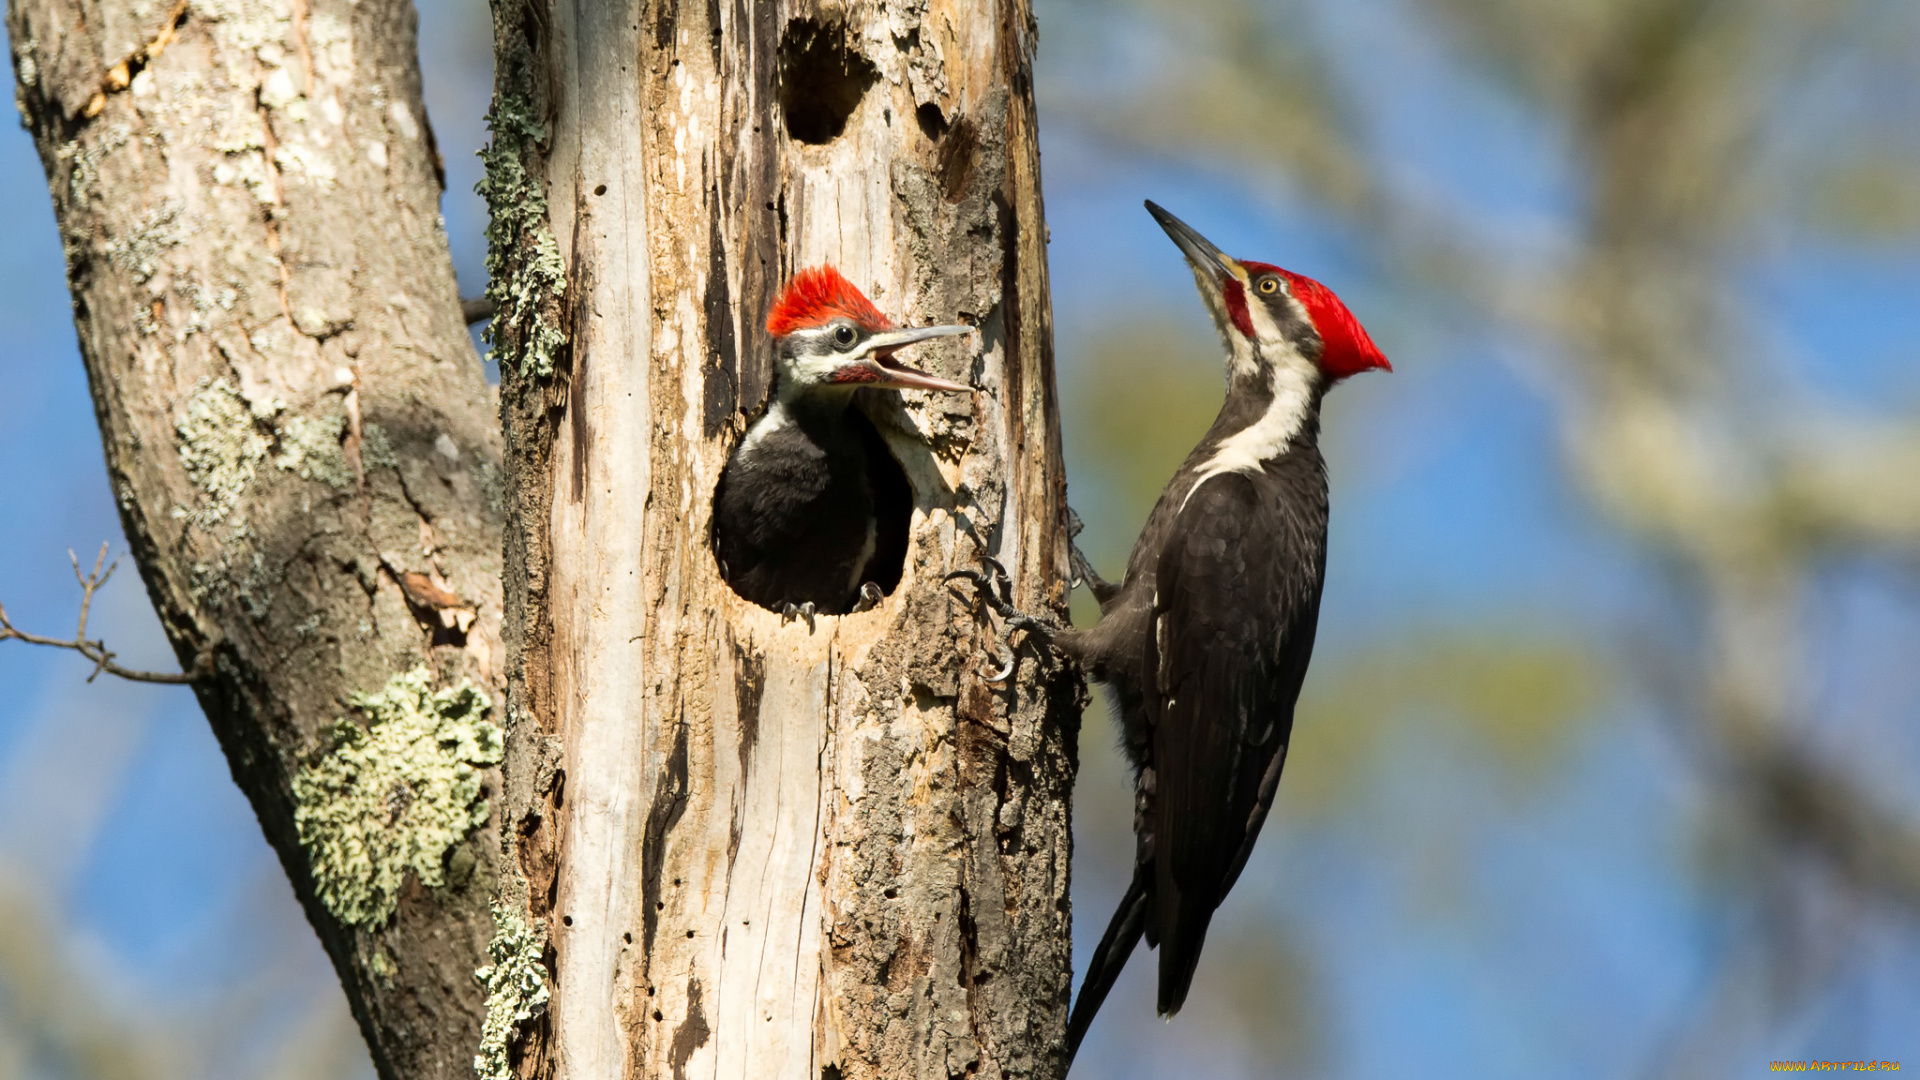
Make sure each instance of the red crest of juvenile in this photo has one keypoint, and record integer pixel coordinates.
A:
(817, 294)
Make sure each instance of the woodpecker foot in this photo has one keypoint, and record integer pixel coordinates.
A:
(994, 588)
(870, 597)
(1080, 568)
(801, 611)
(1083, 571)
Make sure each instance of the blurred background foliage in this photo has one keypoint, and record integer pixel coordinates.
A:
(1608, 764)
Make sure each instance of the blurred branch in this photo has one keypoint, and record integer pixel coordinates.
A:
(1798, 799)
(476, 310)
(96, 650)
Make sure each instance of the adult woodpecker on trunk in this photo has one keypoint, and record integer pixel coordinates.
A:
(795, 525)
(1204, 643)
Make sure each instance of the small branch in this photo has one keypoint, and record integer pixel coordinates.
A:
(478, 309)
(96, 650)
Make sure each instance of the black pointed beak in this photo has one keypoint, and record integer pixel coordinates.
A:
(1205, 258)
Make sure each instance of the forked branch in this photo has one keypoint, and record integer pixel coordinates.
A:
(96, 650)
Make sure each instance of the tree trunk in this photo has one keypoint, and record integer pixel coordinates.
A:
(294, 423)
(727, 845)
(767, 848)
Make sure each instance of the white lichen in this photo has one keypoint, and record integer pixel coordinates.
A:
(220, 449)
(82, 161)
(310, 446)
(516, 983)
(138, 253)
(396, 795)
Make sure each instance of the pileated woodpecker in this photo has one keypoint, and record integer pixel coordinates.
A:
(794, 520)
(1204, 644)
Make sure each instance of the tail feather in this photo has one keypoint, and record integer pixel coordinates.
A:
(1109, 959)
(1182, 922)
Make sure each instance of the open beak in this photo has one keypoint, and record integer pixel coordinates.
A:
(1206, 259)
(897, 376)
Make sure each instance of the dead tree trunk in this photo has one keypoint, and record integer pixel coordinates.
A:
(766, 849)
(301, 445)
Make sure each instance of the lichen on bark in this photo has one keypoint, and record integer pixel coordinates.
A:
(223, 439)
(516, 982)
(525, 276)
(219, 449)
(310, 446)
(396, 795)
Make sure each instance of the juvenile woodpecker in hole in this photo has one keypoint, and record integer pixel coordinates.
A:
(794, 524)
(1203, 645)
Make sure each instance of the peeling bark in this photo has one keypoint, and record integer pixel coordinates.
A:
(770, 849)
(296, 428)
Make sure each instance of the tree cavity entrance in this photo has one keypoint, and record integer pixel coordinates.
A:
(821, 80)
(792, 537)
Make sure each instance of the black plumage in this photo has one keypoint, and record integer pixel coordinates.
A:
(1204, 644)
(796, 516)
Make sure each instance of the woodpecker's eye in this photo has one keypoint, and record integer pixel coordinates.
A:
(1269, 285)
(843, 336)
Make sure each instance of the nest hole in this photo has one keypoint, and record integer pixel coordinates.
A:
(821, 81)
(773, 586)
(933, 122)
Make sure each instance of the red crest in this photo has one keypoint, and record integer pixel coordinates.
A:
(1346, 347)
(817, 294)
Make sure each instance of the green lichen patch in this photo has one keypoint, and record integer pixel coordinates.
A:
(310, 446)
(516, 983)
(396, 795)
(525, 276)
(224, 439)
(376, 449)
(220, 448)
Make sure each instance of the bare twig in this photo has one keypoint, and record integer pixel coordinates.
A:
(96, 650)
(478, 309)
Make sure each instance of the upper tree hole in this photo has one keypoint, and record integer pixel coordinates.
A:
(933, 122)
(821, 80)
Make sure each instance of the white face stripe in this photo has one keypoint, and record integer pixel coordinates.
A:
(774, 417)
(1290, 380)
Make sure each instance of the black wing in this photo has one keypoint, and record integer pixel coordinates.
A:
(1237, 598)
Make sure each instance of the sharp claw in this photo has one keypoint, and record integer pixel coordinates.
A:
(994, 589)
(870, 597)
(792, 611)
(1005, 656)
(1081, 567)
(1001, 578)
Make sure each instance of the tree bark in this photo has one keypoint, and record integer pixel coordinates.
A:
(767, 848)
(300, 441)
(727, 845)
